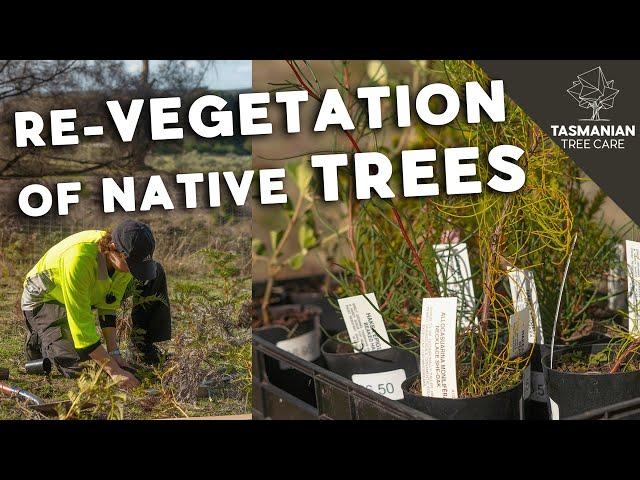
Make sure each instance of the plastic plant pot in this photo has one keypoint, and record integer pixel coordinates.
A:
(296, 329)
(330, 320)
(304, 343)
(497, 406)
(382, 371)
(572, 393)
(41, 366)
(537, 406)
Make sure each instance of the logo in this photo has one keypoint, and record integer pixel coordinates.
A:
(595, 93)
(593, 90)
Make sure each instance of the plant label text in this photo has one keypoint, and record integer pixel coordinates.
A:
(364, 322)
(524, 295)
(438, 347)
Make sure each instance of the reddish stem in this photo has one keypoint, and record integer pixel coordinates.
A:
(352, 242)
(414, 252)
(630, 349)
(352, 140)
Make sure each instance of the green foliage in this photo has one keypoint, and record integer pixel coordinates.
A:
(298, 220)
(393, 254)
(584, 308)
(226, 272)
(96, 396)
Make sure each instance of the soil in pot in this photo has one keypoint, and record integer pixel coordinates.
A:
(311, 291)
(537, 405)
(330, 321)
(382, 371)
(581, 381)
(503, 405)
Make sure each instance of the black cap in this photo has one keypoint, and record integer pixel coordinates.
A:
(136, 240)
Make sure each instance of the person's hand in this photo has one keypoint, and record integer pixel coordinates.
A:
(125, 379)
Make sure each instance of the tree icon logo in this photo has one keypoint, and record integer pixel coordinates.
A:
(592, 90)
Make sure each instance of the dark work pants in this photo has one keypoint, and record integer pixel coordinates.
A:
(50, 336)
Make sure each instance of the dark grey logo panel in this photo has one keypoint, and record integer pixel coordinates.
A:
(590, 109)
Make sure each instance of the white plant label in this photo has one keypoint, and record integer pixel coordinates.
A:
(454, 271)
(525, 295)
(519, 333)
(555, 410)
(305, 346)
(387, 384)
(438, 347)
(538, 387)
(364, 323)
(633, 284)
(616, 281)
(526, 383)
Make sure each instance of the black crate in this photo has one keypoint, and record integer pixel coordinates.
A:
(317, 393)
(627, 410)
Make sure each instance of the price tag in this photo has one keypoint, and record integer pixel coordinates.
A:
(364, 324)
(454, 271)
(438, 347)
(518, 333)
(555, 410)
(538, 387)
(633, 284)
(305, 346)
(387, 384)
(524, 295)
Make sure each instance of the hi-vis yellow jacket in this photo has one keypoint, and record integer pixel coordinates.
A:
(74, 273)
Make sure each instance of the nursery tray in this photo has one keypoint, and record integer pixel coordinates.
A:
(627, 410)
(331, 397)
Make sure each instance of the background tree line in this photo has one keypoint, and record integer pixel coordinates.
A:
(44, 85)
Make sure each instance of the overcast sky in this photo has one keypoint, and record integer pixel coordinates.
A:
(224, 75)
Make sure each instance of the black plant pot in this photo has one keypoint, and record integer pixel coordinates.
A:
(574, 393)
(41, 366)
(307, 346)
(391, 359)
(498, 406)
(306, 334)
(537, 406)
(329, 320)
(288, 379)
